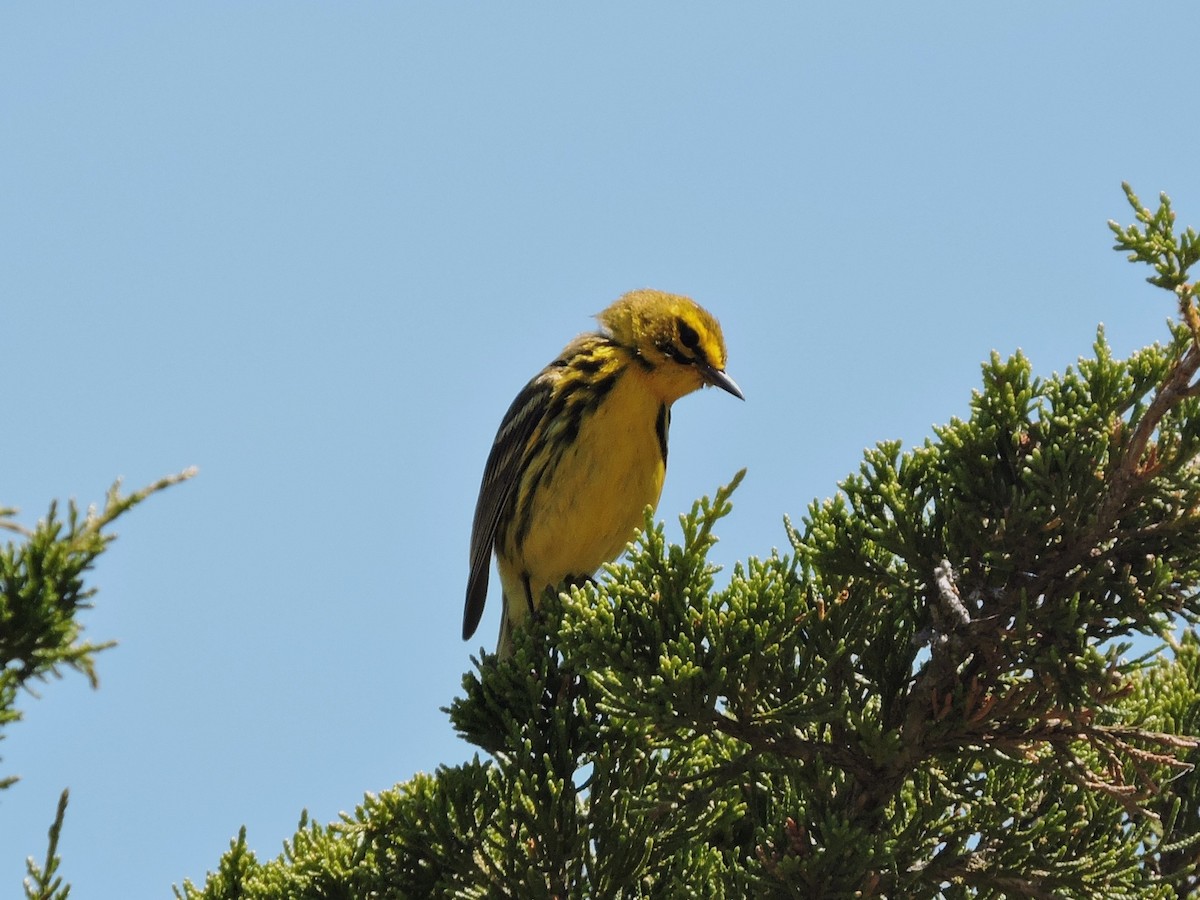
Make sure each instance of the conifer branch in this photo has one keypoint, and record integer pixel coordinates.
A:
(922, 700)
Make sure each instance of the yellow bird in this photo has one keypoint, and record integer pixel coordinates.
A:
(583, 450)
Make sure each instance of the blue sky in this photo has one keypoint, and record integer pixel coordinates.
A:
(315, 249)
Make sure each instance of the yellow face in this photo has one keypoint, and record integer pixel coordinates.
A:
(678, 342)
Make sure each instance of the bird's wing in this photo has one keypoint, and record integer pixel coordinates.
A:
(505, 463)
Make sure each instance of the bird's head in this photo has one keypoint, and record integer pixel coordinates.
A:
(677, 342)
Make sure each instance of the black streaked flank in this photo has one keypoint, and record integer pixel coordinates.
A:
(661, 424)
(570, 432)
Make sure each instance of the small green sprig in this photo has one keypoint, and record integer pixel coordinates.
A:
(1155, 243)
(44, 882)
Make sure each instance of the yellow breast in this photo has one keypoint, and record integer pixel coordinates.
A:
(591, 503)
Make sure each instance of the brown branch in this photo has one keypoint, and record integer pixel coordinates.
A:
(1012, 884)
(1129, 470)
(765, 740)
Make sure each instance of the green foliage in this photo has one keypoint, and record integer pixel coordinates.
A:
(42, 592)
(1167, 698)
(44, 882)
(928, 695)
(1155, 243)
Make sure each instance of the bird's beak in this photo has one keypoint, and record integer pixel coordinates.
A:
(720, 379)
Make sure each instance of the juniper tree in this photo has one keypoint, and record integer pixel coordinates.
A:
(42, 593)
(928, 695)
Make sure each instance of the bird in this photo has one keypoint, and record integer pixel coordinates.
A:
(582, 451)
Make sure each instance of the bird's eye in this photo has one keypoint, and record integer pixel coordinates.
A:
(687, 335)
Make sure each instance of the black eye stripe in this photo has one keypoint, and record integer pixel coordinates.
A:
(687, 335)
(672, 352)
